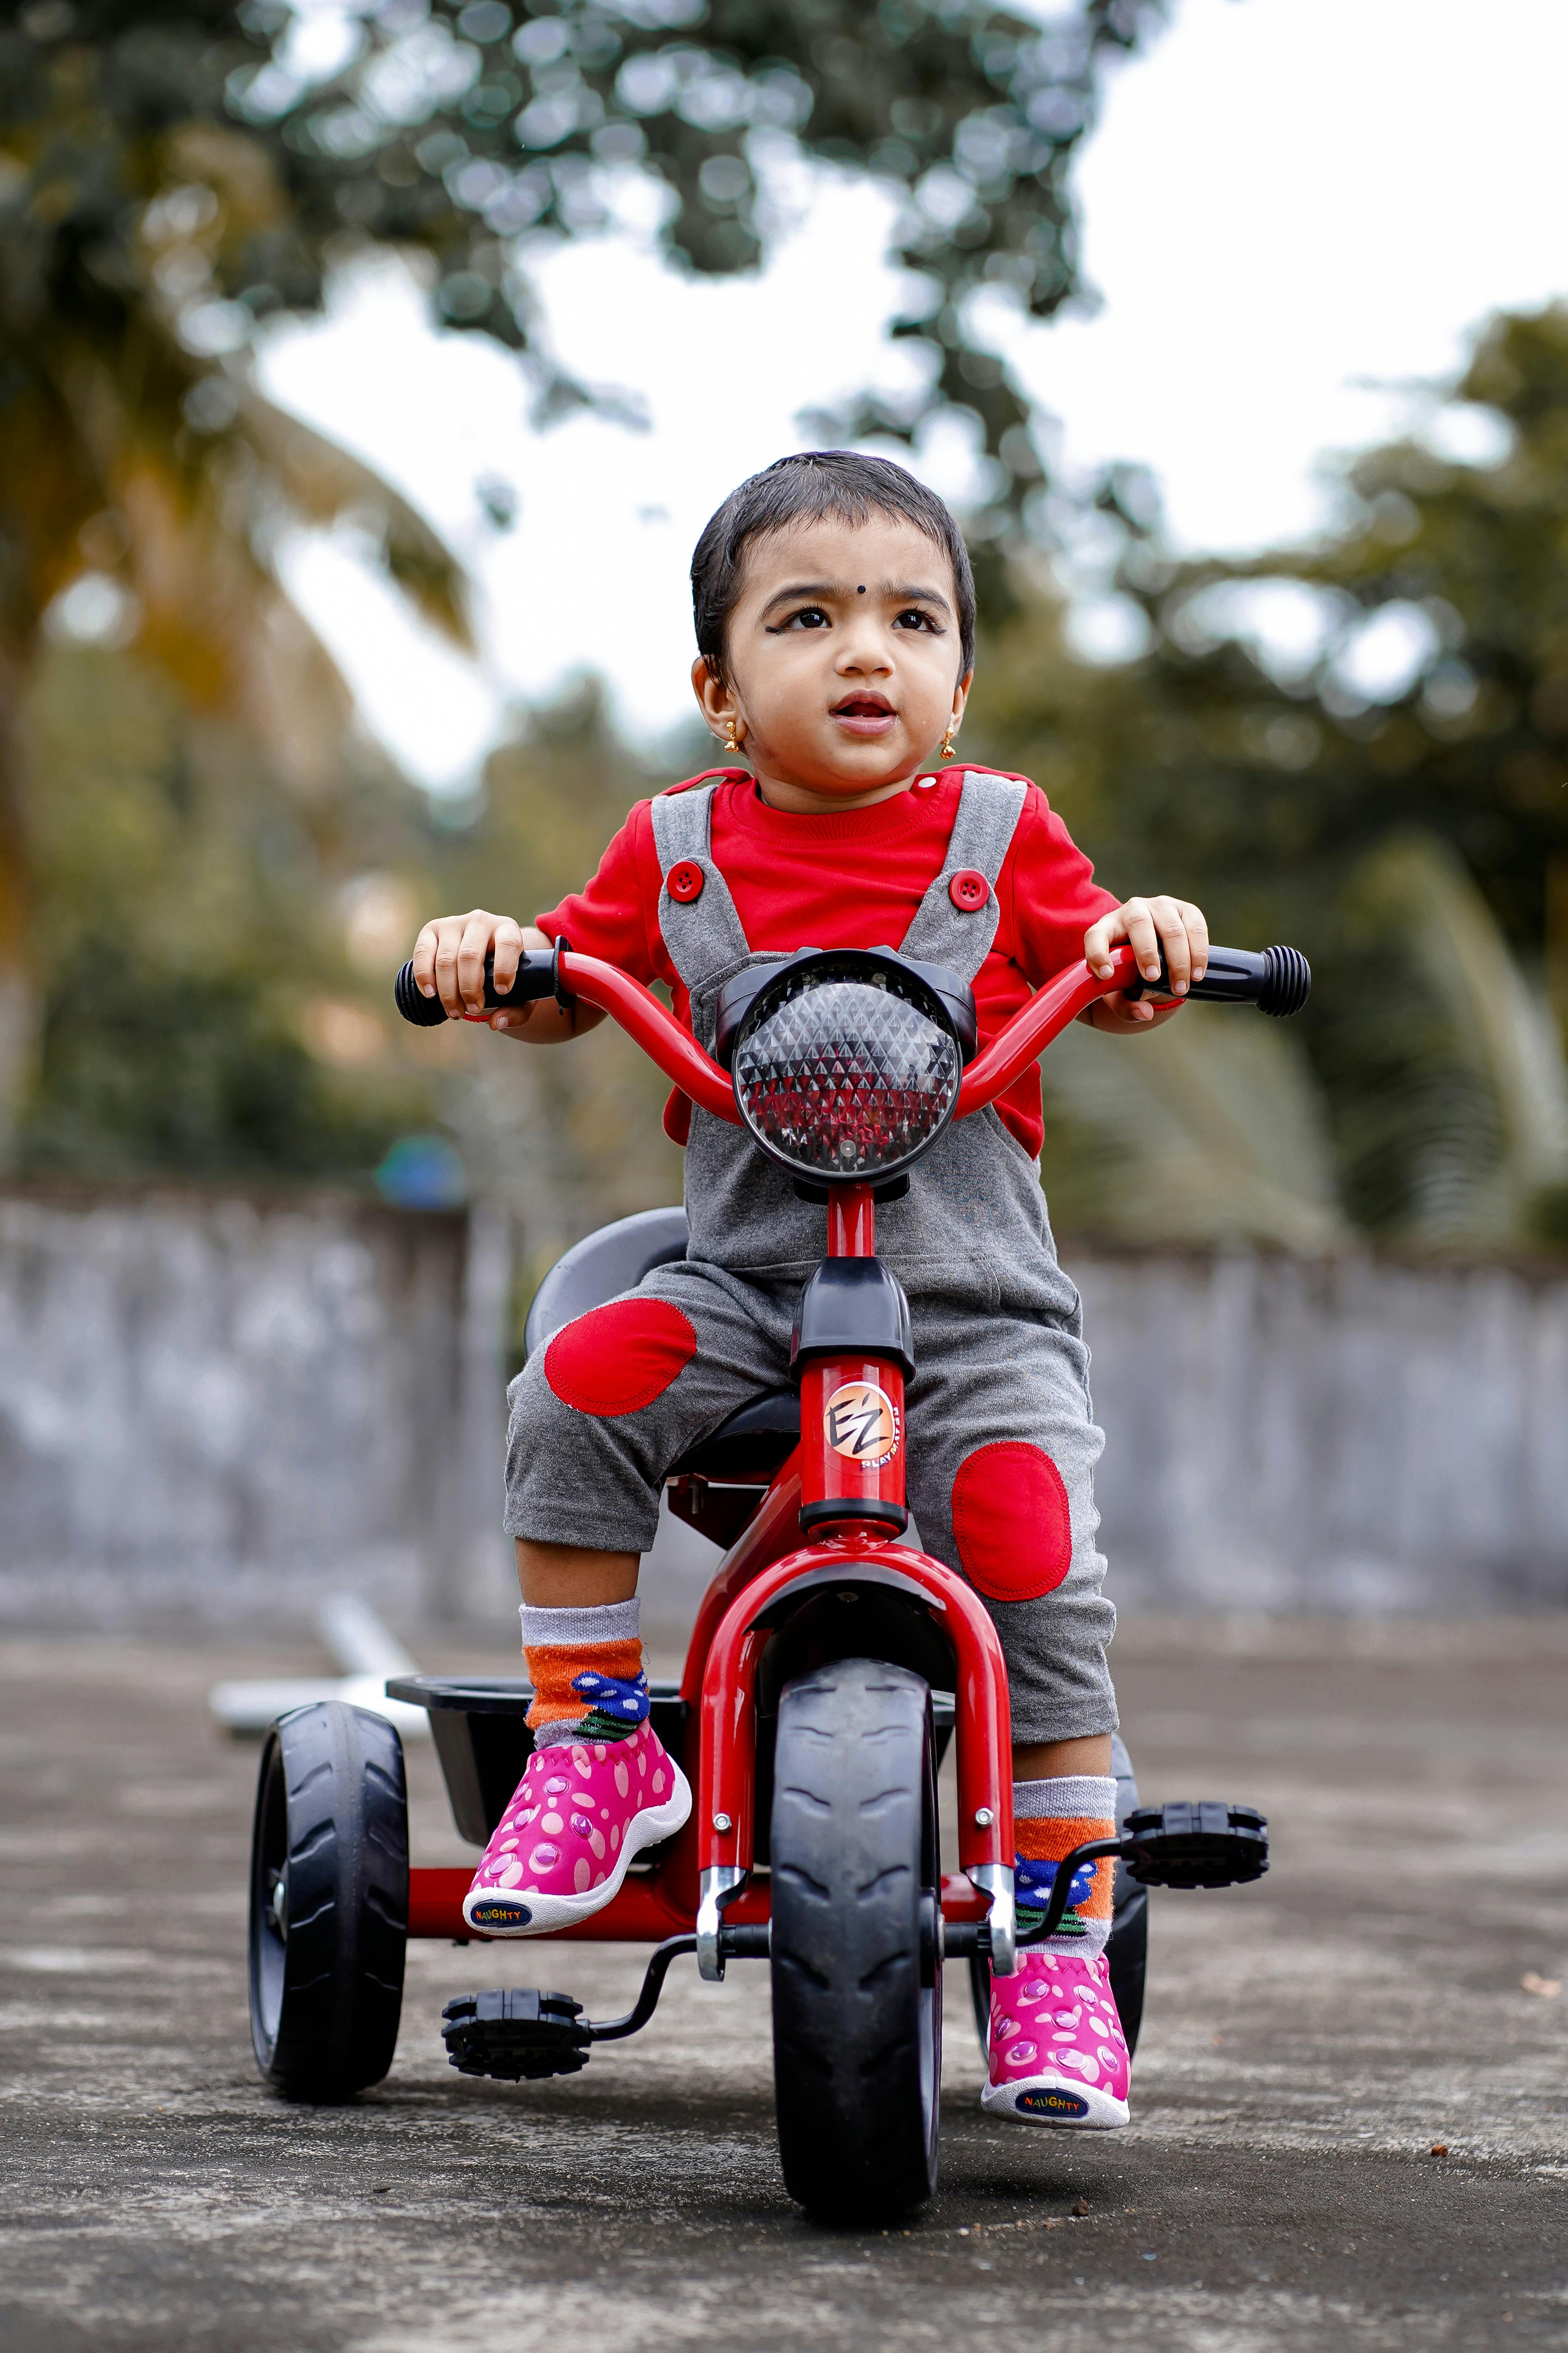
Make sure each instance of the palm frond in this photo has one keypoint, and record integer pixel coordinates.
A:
(1457, 1064)
(1209, 1131)
(321, 481)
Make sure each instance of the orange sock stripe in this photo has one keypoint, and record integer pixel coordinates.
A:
(550, 1668)
(1047, 1838)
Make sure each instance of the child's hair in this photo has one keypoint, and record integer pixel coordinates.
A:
(802, 488)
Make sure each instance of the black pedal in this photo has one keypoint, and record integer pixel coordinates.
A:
(1202, 1844)
(517, 2033)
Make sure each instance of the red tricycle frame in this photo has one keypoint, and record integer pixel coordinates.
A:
(706, 1874)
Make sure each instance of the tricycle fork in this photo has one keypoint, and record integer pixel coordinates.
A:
(725, 1826)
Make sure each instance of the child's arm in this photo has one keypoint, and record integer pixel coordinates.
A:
(1147, 925)
(449, 962)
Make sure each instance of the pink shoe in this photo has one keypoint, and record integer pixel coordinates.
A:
(1057, 2053)
(576, 1818)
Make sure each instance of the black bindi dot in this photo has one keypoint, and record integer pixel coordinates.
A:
(860, 592)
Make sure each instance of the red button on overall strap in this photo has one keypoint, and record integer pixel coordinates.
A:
(967, 890)
(685, 881)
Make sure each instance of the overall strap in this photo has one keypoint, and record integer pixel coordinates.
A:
(943, 931)
(702, 931)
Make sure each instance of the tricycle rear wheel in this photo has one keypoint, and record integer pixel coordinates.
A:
(856, 1981)
(329, 1901)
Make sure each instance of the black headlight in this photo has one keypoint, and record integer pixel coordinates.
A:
(847, 1066)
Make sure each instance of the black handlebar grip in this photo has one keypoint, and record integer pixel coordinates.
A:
(1287, 982)
(1277, 980)
(535, 978)
(424, 1012)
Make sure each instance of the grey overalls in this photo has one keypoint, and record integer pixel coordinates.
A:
(1001, 1369)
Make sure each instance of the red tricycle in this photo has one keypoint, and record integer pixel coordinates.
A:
(829, 1666)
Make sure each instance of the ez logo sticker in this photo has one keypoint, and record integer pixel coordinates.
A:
(860, 1421)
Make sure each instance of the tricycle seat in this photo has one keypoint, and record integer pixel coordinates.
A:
(744, 1450)
(600, 1267)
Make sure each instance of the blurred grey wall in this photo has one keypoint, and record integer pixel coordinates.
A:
(222, 1408)
(1343, 1434)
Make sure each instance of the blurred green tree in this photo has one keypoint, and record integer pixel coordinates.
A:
(1385, 780)
(214, 944)
(169, 173)
(457, 128)
(196, 920)
(143, 485)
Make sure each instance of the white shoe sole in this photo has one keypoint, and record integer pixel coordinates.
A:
(501, 1912)
(1055, 2099)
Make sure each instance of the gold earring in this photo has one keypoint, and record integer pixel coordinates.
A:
(947, 743)
(730, 743)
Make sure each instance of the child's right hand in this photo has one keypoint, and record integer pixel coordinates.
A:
(449, 962)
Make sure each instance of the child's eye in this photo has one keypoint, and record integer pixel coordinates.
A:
(810, 616)
(912, 618)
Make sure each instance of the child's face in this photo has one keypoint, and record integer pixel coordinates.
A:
(843, 660)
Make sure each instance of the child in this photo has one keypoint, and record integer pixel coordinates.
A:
(834, 615)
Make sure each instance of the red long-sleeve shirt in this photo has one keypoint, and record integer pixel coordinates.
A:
(852, 880)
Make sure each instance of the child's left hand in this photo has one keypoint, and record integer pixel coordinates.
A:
(1147, 925)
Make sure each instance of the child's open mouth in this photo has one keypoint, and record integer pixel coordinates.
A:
(865, 714)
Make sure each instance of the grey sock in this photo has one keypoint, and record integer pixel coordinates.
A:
(567, 1630)
(1068, 1797)
(615, 1622)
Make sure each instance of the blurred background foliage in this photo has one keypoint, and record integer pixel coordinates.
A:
(170, 176)
(1360, 745)
(208, 875)
(213, 947)
(178, 897)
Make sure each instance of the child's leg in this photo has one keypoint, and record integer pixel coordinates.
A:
(1002, 1459)
(1000, 1474)
(1038, 1760)
(597, 1417)
(581, 1637)
(600, 1412)
(573, 1576)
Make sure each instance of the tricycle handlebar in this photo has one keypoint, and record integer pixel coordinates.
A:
(544, 971)
(1276, 981)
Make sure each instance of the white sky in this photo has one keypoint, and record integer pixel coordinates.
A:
(1295, 212)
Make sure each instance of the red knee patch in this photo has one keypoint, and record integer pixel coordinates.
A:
(617, 1359)
(1011, 1522)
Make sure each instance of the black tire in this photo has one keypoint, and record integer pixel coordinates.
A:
(857, 1983)
(1127, 1950)
(329, 1901)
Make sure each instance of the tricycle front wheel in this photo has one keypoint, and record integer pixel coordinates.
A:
(857, 1983)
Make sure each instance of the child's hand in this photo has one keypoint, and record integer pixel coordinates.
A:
(1147, 925)
(449, 959)
(449, 962)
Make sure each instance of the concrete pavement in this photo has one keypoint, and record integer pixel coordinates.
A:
(1306, 2042)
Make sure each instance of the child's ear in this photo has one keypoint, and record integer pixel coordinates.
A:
(712, 694)
(716, 702)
